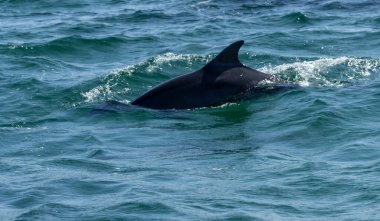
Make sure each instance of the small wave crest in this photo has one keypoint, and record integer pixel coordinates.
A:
(124, 82)
(73, 45)
(331, 72)
(295, 18)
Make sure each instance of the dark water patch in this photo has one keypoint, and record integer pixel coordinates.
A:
(228, 114)
(136, 17)
(334, 5)
(65, 46)
(76, 49)
(45, 4)
(362, 5)
(76, 187)
(46, 69)
(327, 119)
(81, 164)
(318, 187)
(51, 145)
(99, 154)
(361, 167)
(152, 209)
(377, 20)
(359, 150)
(206, 29)
(34, 15)
(137, 170)
(261, 5)
(161, 177)
(296, 18)
(111, 107)
(50, 211)
(151, 15)
(32, 85)
(281, 39)
(206, 5)
(225, 151)
(42, 14)
(28, 199)
(12, 124)
(87, 29)
(344, 6)
(20, 96)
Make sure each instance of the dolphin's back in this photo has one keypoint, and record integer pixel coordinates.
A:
(173, 94)
(221, 80)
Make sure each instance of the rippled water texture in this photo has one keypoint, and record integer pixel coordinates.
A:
(307, 154)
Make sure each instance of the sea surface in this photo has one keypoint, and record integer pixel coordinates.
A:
(312, 153)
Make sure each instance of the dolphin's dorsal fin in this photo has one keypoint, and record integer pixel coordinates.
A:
(227, 58)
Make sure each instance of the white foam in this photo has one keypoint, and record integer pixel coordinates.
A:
(105, 90)
(94, 93)
(317, 71)
(167, 59)
(101, 92)
(127, 70)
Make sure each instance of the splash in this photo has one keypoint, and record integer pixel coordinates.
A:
(120, 81)
(109, 89)
(168, 60)
(332, 72)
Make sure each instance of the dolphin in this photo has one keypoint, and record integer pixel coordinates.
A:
(224, 79)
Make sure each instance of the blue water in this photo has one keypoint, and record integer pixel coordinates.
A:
(312, 153)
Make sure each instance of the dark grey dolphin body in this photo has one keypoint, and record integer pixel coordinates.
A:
(224, 79)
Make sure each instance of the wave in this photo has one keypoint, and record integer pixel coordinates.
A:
(66, 45)
(261, 5)
(296, 18)
(348, 5)
(377, 20)
(331, 72)
(48, 210)
(136, 16)
(45, 4)
(120, 81)
(333, 5)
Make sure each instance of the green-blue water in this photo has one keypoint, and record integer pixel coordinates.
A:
(307, 154)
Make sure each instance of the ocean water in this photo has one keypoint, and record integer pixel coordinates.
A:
(312, 153)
